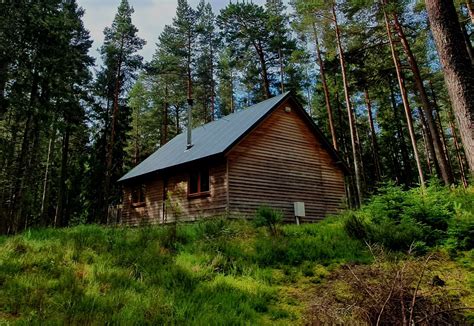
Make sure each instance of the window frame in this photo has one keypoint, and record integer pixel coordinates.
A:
(141, 189)
(199, 193)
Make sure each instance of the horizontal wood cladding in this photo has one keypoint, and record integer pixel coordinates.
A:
(178, 205)
(281, 162)
(149, 213)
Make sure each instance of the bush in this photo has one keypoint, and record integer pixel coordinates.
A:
(269, 217)
(397, 219)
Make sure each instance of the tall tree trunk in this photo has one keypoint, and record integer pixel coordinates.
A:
(164, 133)
(426, 141)
(440, 127)
(325, 89)
(407, 172)
(24, 156)
(3, 82)
(60, 218)
(213, 86)
(136, 152)
(350, 113)
(280, 59)
(111, 144)
(373, 135)
(46, 174)
(231, 91)
(264, 73)
(431, 156)
(436, 147)
(458, 148)
(457, 68)
(404, 94)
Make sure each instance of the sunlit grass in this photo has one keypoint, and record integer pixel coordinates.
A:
(217, 272)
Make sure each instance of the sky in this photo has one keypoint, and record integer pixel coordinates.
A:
(150, 17)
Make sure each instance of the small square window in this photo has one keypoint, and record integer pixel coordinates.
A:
(138, 195)
(198, 182)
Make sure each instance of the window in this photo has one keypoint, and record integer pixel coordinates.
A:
(198, 182)
(138, 195)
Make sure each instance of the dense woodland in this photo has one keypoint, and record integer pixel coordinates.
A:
(391, 84)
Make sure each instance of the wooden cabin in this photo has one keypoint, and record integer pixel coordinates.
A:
(271, 153)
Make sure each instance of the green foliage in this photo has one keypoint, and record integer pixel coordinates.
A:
(219, 272)
(399, 219)
(269, 217)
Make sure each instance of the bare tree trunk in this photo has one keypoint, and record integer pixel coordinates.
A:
(59, 219)
(426, 141)
(231, 91)
(213, 86)
(164, 133)
(373, 136)
(280, 59)
(457, 68)
(350, 113)
(436, 147)
(264, 73)
(3, 82)
(136, 153)
(440, 127)
(46, 173)
(24, 156)
(325, 89)
(406, 104)
(458, 150)
(407, 172)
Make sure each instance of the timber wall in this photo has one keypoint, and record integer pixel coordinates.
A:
(178, 206)
(281, 162)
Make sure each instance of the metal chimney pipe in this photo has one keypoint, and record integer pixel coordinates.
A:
(189, 126)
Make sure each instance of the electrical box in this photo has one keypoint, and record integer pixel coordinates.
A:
(299, 209)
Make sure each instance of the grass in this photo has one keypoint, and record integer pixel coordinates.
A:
(215, 272)
(230, 272)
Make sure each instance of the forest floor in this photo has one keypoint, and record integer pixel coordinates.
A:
(222, 272)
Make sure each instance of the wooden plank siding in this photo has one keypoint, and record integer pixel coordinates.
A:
(152, 211)
(179, 205)
(281, 162)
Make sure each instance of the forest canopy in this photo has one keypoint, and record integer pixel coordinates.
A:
(379, 79)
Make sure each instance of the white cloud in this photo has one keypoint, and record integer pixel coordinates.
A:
(150, 17)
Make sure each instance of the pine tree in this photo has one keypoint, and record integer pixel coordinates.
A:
(244, 26)
(121, 61)
(458, 70)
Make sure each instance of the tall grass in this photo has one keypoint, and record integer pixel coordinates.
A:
(216, 272)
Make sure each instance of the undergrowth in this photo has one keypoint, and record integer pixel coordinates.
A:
(216, 272)
(219, 271)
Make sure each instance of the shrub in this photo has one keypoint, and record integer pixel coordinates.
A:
(269, 217)
(355, 227)
(397, 219)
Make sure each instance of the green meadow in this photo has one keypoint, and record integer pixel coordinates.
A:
(230, 272)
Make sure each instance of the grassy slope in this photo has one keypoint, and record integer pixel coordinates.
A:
(217, 272)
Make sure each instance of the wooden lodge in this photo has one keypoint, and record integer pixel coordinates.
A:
(270, 154)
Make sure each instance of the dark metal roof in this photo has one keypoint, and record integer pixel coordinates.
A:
(208, 140)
